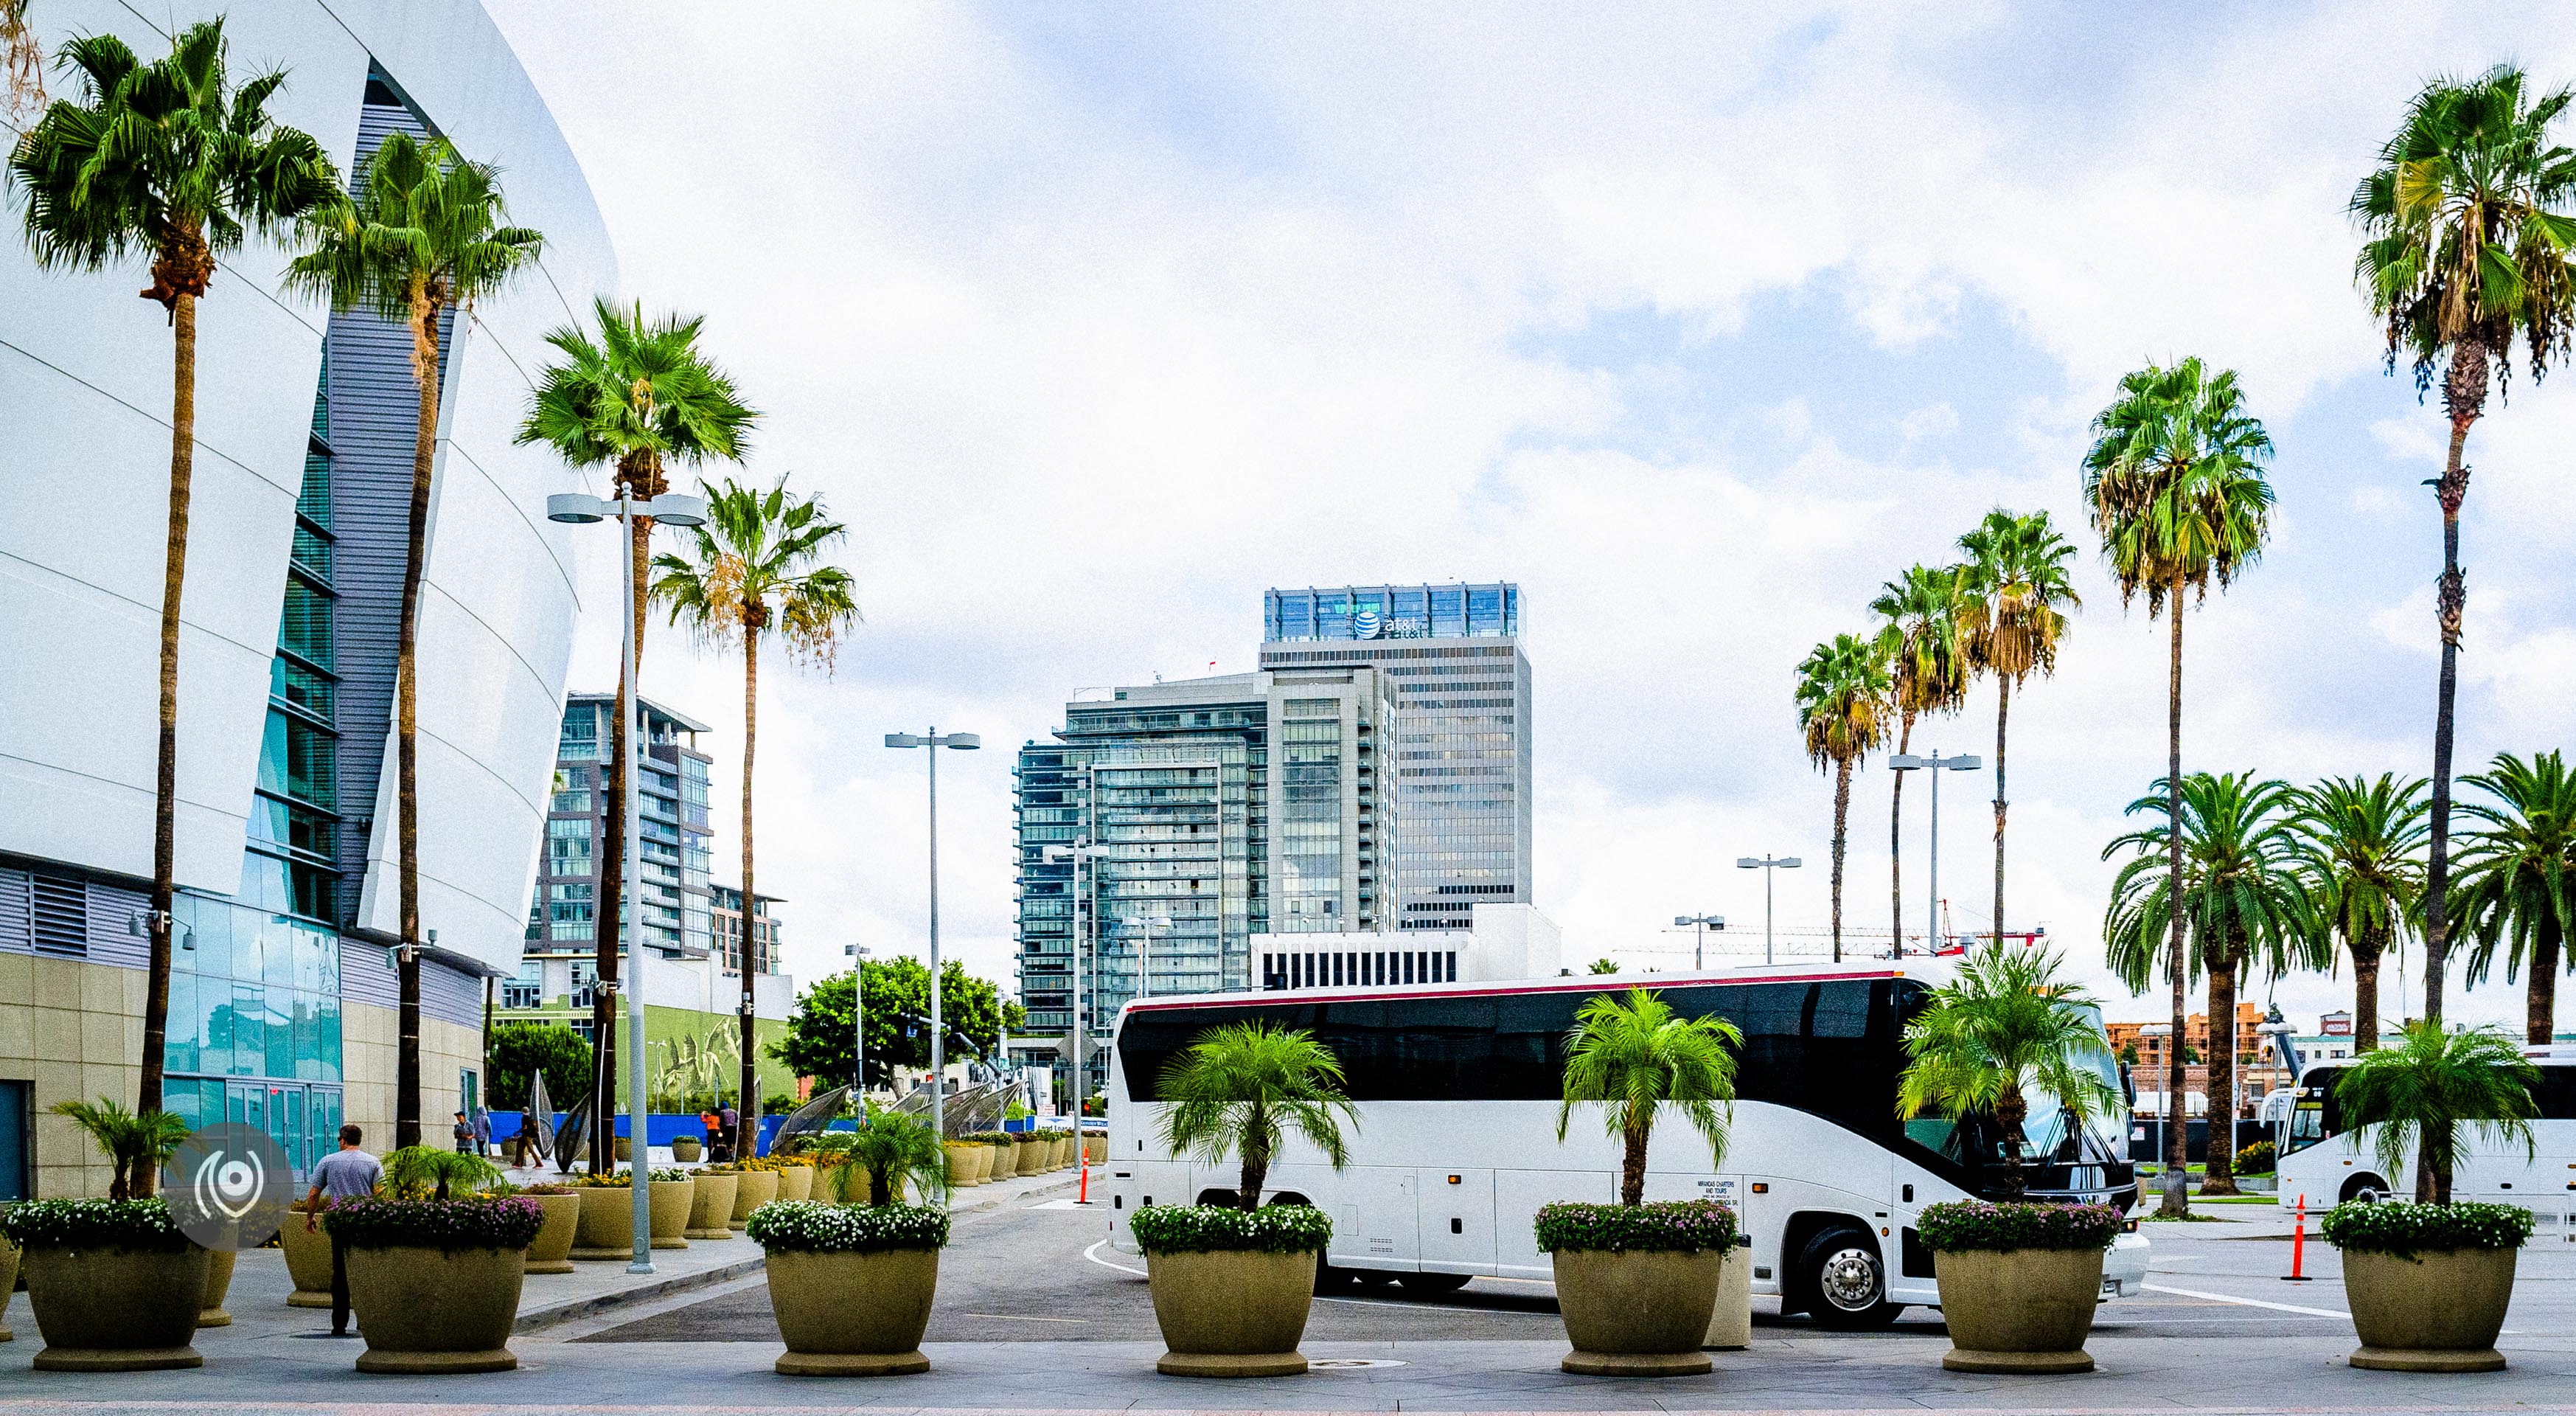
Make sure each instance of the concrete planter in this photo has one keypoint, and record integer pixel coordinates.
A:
(961, 1163)
(796, 1182)
(672, 1200)
(1095, 1149)
(219, 1281)
(423, 1311)
(853, 1315)
(1232, 1313)
(711, 1206)
(1730, 1323)
(551, 1250)
(605, 1227)
(1033, 1157)
(685, 1148)
(756, 1188)
(308, 1262)
(1059, 1152)
(1006, 1159)
(625, 1148)
(116, 1310)
(8, 1284)
(2021, 1311)
(1637, 1314)
(2435, 1312)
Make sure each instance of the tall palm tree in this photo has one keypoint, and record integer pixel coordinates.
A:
(1921, 613)
(424, 235)
(174, 161)
(640, 396)
(2008, 1025)
(1635, 1055)
(1843, 708)
(2467, 222)
(1240, 1086)
(2421, 1090)
(2173, 484)
(2517, 883)
(2364, 842)
(754, 567)
(2016, 585)
(2245, 899)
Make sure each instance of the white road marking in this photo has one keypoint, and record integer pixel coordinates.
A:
(1093, 1254)
(2247, 1302)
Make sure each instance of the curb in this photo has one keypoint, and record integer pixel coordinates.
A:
(997, 1201)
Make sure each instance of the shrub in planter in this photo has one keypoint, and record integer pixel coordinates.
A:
(961, 1162)
(605, 1237)
(1232, 1287)
(1637, 1284)
(851, 1286)
(711, 1202)
(436, 1282)
(685, 1148)
(115, 1286)
(1006, 1153)
(551, 1250)
(2019, 1282)
(890, 1154)
(2428, 1284)
(2255, 1158)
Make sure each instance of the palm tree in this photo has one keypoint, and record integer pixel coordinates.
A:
(2173, 484)
(26, 58)
(2517, 884)
(2467, 221)
(755, 566)
(1843, 707)
(135, 1144)
(2007, 1026)
(2016, 582)
(1636, 1055)
(1922, 612)
(2419, 1091)
(437, 1170)
(2245, 898)
(1238, 1087)
(2364, 842)
(423, 236)
(893, 1152)
(641, 395)
(168, 159)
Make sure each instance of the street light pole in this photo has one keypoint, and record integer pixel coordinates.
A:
(1145, 966)
(1766, 863)
(963, 742)
(859, 1027)
(1700, 924)
(1936, 764)
(1083, 923)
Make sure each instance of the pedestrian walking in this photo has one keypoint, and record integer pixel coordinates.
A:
(464, 1132)
(731, 1120)
(483, 1132)
(345, 1174)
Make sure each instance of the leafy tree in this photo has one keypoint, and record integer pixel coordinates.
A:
(1843, 708)
(2245, 899)
(168, 159)
(2467, 221)
(755, 567)
(2007, 1026)
(892, 1152)
(1636, 1055)
(2129, 1054)
(2364, 844)
(520, 1051)
(818, 1041)
(2517, 882)
(2173, 484)
(2421, 1090)
(424, 236)
(1922, 613)
(1237, 1089)
(2015, 583)
(1602, 966)
(135, 1145)
(640, 396)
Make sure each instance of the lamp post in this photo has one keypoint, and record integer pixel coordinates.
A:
(1935, 764)
(668, 509)
(1766, 863)
(963, 742)
(1081, 850)
(2157, 1030)
(1145, 962)
(1701, 924)
(859, 955)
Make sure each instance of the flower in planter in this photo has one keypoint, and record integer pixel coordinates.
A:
(811, 1227)
(93, 1224)
(2006, 1026)
(1636, 1055)
(2423, 1088)
(1235, 1088)
(2403, 1230)
(448, 1225)
(1668, 1226)
(1982, 1226)
(1205, 1229)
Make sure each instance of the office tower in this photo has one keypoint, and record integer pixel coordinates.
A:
(671, 799)
(1461, 763)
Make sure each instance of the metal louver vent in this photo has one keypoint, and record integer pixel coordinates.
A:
(61, 916)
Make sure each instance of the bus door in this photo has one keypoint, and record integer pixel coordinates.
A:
(1457, 1209)
(1379, 1222)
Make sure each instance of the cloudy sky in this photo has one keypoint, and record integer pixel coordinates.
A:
(1095, 321)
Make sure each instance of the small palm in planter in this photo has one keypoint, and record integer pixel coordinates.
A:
(2018, 1281)
(851, 1284)
(2429, 1283)
(1638, 1283)
(1232, 1286)
(115, 1285)
(435, 1271)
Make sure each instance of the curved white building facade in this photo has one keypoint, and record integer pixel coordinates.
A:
(286, 841)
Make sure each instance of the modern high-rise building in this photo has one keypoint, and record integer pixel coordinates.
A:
(1460, 765)
(1226, 807)
(764, 932)
(282, 1004)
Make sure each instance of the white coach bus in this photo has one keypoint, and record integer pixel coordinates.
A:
(2327, 1163)
(1457, 1086)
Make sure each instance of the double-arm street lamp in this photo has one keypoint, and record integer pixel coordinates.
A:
(668, 509)
(1701, 924)
(1145, 961)
(1766, 863)
(1936, 764)
(963, 742)
(1080, 851)
(859, 955)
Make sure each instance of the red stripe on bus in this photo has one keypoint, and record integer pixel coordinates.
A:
(1283, 996)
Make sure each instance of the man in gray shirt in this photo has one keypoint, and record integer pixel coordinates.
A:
(346, 1174)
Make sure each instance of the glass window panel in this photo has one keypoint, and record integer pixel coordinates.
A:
(278, 1057)
(328, 1035)
(277, 954)
(245, 1027)
(180, 1048)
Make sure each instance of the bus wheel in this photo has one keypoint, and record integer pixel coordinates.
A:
(1432, 1282)
(2365, 1189)
(1842, 1283)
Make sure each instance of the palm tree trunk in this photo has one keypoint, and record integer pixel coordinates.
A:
(2003, 716)
(424, 443)
(1842, 813)
(1256, 1158)
(1632, 1167)
(1896, 845)
(2177, 1120)
(2218, 1176)
(2365, 993)
(2464, 395)
(749, 1106)
(2541, 1014)
(633, 479)
(165, 792)
(2012, 1111)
